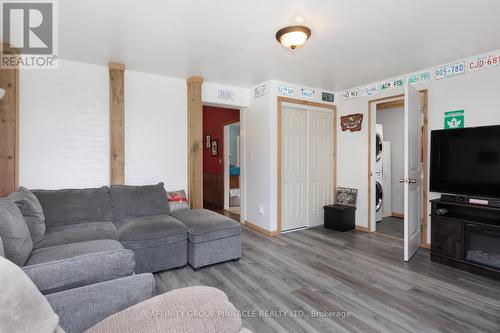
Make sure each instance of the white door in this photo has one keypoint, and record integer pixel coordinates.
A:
(413, 173)
(320, 191)
(293, 168)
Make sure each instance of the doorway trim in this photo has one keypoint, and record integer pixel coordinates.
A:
(280, 101)
(226, 163)
(424, 156)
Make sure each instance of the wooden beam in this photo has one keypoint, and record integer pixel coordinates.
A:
(117, 66)
(195, 141)
(9, 127)
(117, 123)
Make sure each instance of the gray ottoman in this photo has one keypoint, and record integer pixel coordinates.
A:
(159, 242)
(212, 238)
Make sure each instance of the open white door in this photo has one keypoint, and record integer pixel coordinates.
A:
(413, 172)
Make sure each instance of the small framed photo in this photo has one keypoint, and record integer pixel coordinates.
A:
(215, 150)
(347, 196)
(208, 141)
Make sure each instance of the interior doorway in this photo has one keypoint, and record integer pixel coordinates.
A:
(398, 187)
(306, 162)
(232, 168)
(216, 155)
(389, 169)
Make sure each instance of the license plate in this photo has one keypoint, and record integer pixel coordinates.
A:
(450, 70)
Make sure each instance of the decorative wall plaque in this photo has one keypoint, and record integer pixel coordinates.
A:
(327, 97)
(260, 91)
(347, 196)
(215, 148)
(351, 122)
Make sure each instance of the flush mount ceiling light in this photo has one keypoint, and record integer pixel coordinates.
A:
(293, 36)
(2, 93)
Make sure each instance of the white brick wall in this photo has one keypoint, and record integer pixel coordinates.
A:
(155, 130)
(64, 126)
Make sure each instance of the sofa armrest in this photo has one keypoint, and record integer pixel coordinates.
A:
(191, 309)
(58, 275)
(81, 308)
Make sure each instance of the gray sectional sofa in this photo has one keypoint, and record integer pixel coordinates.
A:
(120, 218)
(82, 247)
(63, 266)
(122, 305)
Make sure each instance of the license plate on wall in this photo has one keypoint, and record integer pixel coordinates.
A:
(450, 70)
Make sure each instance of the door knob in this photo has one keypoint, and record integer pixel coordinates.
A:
(402, 180)
(412, 181)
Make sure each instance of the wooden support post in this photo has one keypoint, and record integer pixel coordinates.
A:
(9, 127)
(195, 141)
(117, 123)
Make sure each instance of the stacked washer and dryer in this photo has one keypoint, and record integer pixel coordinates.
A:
(379, 173)
(382, 175)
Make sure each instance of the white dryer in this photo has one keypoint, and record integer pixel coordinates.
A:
(379, 148)
(379, 196)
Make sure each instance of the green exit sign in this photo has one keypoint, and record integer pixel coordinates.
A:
(454, 119)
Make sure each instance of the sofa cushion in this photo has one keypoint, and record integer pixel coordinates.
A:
(150, 231)
(32, 211)
(64, 251)
(70, 266)
(14, 232)
(72, 206)
(24, 309)
(2, 252)
(136, 201)
(205, 225)
(72, 233)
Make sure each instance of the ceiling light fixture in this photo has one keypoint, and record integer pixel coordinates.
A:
(2, 93)
(293, 36)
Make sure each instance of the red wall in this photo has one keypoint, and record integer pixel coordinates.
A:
(214, 119)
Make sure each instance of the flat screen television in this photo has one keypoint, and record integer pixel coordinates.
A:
(466, 161)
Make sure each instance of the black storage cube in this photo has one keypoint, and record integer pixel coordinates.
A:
(339, 217)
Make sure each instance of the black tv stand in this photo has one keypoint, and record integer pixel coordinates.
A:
(465, 199)
(466, 236)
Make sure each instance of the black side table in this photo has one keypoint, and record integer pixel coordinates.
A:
(340, 217)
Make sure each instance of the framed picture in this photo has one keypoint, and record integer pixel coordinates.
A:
(215, 150)
(347, 196)
(208, 141)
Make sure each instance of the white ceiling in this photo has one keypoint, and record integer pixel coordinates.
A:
(233, 41)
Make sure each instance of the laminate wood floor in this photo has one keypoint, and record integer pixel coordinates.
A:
(324, 272)
(391, 226)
